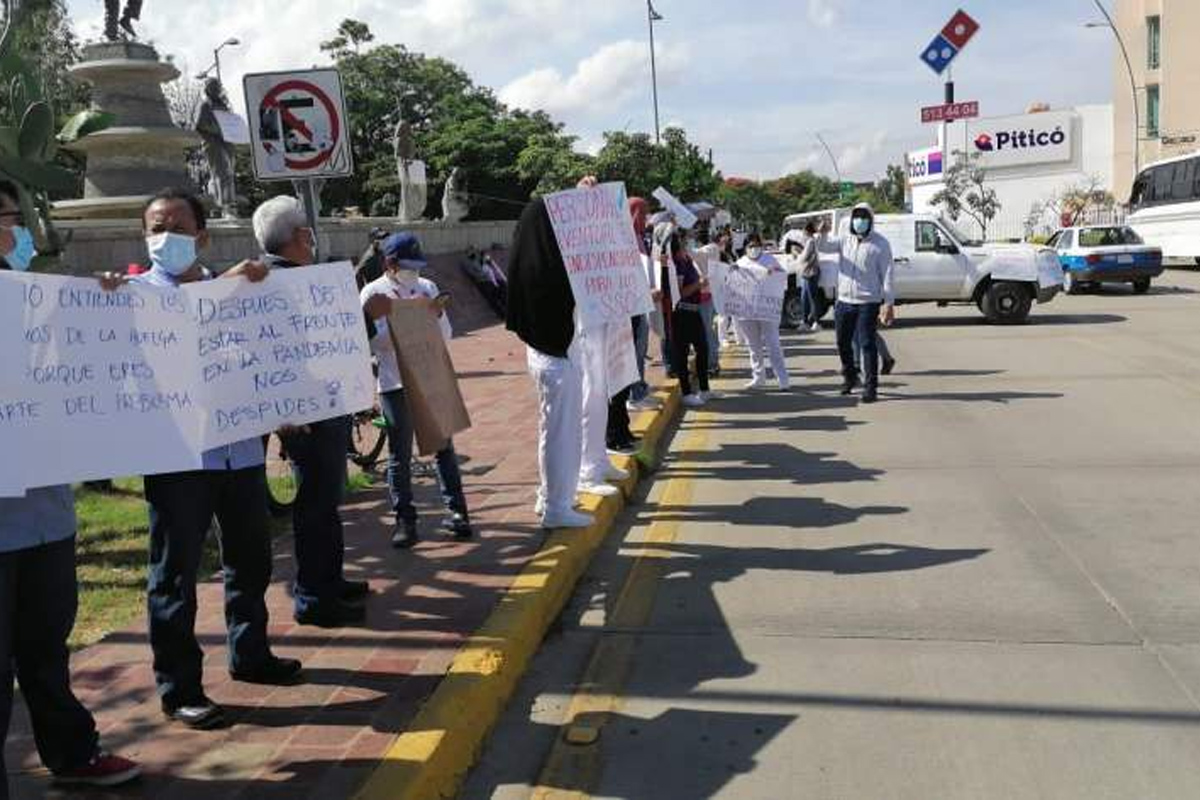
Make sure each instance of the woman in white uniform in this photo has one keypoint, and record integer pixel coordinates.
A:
(762, 336)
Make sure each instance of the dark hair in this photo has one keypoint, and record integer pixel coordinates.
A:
(754, 238)
(9, 189)
(810, 227)
(197, 207)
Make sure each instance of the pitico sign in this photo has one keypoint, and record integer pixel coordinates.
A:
(1027, 139)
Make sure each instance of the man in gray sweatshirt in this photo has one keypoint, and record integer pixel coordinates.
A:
(864, 296)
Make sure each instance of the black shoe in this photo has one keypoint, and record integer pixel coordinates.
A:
(889, 364)
(869, 395)
(354, 591)
(459, 526)
(201, 715)
(849, 385)
(405, 537)
(626, 447)
(272, 672)
(335, 614)
(127, 27)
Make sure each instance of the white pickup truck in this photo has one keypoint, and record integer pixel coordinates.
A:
(936, 264)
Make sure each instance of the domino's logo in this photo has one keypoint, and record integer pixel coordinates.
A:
(984, 142)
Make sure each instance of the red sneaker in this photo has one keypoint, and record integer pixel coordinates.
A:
(104, 769)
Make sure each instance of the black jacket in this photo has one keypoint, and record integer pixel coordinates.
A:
(541, 306)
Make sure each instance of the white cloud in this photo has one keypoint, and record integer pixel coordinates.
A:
(858, 154)
(806, 162)
(602, 82)
(823, 13)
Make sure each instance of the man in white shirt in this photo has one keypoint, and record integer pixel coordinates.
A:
(403, 261)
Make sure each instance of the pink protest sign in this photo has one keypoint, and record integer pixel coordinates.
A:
(600, 250)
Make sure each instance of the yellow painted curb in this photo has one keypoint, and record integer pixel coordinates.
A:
(430, 759)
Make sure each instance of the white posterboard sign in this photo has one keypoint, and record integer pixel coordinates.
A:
(101, 382)
(12, 412)
(754, 293)
(661, 245)
(289, 350)
(718, 273)
(298, 125)
(234, 129)
(600, 250)
(620, 358)
(683, 215)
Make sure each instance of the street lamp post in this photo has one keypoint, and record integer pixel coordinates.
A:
(836, 170)
(1137, 121)
(216, 65)
(653, 17)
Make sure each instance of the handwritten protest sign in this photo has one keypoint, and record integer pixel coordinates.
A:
(101, 383)
(11, 353)
(683, 215)
(718, 274)
(595, 234)
(287, 351)
(751, 292)
(430, 384)
(620, 357)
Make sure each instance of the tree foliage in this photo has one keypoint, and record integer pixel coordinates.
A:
(966, 192)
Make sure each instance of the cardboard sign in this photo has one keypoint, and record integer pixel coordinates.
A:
(298, 125)
(290, 350)
(683, 215)
(97, 384)
(620, 358)
(430, 383)
(600, 250)
(751, 292)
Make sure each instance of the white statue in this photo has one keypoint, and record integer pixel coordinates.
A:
(455, 206)
(413, 187)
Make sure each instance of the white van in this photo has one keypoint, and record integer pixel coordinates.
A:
(934, 263)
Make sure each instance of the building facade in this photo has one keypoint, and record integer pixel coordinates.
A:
(1161, 38)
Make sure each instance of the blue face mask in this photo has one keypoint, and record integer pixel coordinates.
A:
(860, 225)
(173, 253)
(23, 251)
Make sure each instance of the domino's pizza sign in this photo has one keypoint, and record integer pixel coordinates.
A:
(946, 46)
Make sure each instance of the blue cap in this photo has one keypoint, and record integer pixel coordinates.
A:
(403, 247)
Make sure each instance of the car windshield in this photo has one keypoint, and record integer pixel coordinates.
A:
(960, 235)
(1109, 236)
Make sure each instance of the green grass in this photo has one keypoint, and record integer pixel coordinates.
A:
(113, 547)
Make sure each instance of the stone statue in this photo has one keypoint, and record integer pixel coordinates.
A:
(116, 20)
(455, 206)
(413, 186)
(218, 153)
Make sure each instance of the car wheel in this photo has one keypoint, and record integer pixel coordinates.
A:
(1141, 286)
(793, 310)
(1070, 285)
(1007, 303)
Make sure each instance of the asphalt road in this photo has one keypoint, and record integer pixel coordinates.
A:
(985, 586)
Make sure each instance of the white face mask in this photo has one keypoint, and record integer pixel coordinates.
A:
(173, 253)
(753, 253)
(405, 276)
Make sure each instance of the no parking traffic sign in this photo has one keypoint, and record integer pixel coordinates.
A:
(298, 125)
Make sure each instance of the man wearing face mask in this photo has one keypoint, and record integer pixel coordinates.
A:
(17, 249)
(403, 261)
(865, 297)
(322, 595)
(231, 485)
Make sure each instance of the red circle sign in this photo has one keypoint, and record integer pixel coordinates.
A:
(272, 100)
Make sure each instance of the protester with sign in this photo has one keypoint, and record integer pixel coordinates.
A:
(636, 397)
(727, 331)
(322, 596)
(38, 584)
(16, 241)
(403, 261)
(541, 312)
(762, 335)
(231, 486)
(687, 326)
(864, 298)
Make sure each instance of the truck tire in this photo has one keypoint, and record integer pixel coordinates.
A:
(793, 310)
(1007, 303)
(1141, 286)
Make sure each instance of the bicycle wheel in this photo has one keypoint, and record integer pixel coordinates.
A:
(282, 483)
(367, 439)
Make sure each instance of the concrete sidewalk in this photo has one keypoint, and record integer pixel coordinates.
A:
(364, 685)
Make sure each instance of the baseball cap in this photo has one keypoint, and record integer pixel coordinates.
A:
(403, 247)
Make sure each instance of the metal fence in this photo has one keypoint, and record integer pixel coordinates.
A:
(1016, 227)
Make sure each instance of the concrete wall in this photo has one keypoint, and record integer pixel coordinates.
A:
(114, 244)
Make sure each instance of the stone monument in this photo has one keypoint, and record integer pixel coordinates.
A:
(142, 151)
(413, 186)
(219, 153)
(455, 205)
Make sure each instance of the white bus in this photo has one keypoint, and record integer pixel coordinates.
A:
(1165, 206)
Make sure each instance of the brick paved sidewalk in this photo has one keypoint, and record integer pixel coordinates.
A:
(322, 738)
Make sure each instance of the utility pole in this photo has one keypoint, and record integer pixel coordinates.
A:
(653, 17)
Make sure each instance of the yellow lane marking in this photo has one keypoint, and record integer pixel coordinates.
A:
(574, 765)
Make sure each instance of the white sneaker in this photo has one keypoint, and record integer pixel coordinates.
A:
(616, 474)
(708, 396)
(693, 401)
(757, 383)
(816, 326)
(645, 404)
(567, 519)
(783, 387)
(599, 489)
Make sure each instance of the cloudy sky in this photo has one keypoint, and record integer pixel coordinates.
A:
(755, 80)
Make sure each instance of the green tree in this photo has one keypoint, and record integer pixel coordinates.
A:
(966, 192)
(890, 191)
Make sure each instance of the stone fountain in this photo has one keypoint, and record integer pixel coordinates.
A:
(143, 151)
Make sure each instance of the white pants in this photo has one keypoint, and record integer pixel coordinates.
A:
(763, 339)
(560, 405)
(726, 330)
(594, 463)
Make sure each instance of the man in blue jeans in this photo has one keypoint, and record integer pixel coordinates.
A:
(321, 594)
(38, 600)
(865, 296)
(403, 261)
